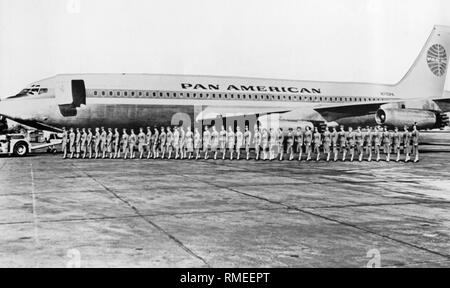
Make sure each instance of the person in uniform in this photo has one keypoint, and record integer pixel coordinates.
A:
(65, 138)
(83, 142)
(257, 141)
(169, 142)
(97, 142)
(162, 142)
(407, 143)
(141, 143)
(148, 142)
(223, 141)
(72, 147)
(351, 140)
(116, 141)
(206, 142)
(109, 143)
(214, 141)
(359, 143)
(197, 143)
(155, 143)
(415, 143)
(290, 144)
(231, 140)
(239, 142)
(308, 143)
(133, 141)
(327, 143)
(317, 143)
(387, 141)
(396, 139)
(264, 142)
(103, 146)
(78, 143)
(182, 143)
(176, 142)
(368, 137)
(273, 143)
(377, 137)
(343, 142)
(280, 144)
(247, 142)
(334, 143)
(125, 142)
(89, 140)
(189, 143)
(299, 137)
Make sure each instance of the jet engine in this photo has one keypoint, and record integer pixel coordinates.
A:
(424, 119)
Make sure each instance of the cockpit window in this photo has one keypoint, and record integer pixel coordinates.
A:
(33, 90)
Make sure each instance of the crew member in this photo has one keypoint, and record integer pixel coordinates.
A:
(162, 142)
(65, 138)
(89, 140)
(247, 142)
(327, 143)
(351, 142)
(125, 142)
(189, 142)
(290, 144)
(109, 143)
(264, 142)
(407, 143)
(272, 143)
(343, 142)
(116, 141)
(308, 143)
(133, 141)
(239, 142)
(230, 141)
(214, 141)
(387, 143)
(141, 143)
(197, 143)
(182, 143)
(280, 143)
(176, 142)
(368, 137)
(396, 137)
(257, 142)
(97, 142)
(169, 142)
(377, 136)
(299, 142)
(78, 143)
(155, 143)
(72, 147)
(334, 143)
(206, 141)
(359, 143)
(415, 142)
(83, 142)
(103, 147)
(223, 141)
(317, 143)
(148, 142)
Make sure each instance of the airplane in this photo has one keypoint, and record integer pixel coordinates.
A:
(142, 100)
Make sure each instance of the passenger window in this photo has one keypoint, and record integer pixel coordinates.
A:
(110, 93)
(125, 93)
(103, 93)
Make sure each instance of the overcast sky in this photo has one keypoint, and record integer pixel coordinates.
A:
(345, 40)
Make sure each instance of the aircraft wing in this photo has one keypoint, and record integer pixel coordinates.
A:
(333, 113)
(444, 103)
(212, 112)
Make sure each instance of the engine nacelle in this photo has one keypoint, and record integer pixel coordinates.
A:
(424, 119)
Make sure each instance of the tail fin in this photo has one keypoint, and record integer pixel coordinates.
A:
(426, 77)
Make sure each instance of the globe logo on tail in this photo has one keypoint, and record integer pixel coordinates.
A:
(437, 59)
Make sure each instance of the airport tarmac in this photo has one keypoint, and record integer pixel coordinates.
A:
(160, 213)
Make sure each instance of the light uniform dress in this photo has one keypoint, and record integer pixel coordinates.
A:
(317, 142)
(223, 140)
(342, 140)
(231, 140)
(162, 141)
(141, 141)
(197, 140)
(109, 143)
(206, 140)
(132, 142)
(258, 139)
(83, 141)
(72, 142)
(65, 138)
(396, 137)
(280, 142)
(299, 138)
(359, 141)
(155, 140)
(125, 142)
(214, 140)
(415, 141)
(264, 140)
(326, 141)
(103, 141)
(387, 141)
(89, 142)
(97, 142)
(148, 139)
(78, 142)
(308, 140)
(239, 140)
(352, 141)
(334, 141)
(176, 140)
(182, 143)
(116, 140)
(169, 141)
(247, 140)
(407, 141)
(289, 142)
(189, 142)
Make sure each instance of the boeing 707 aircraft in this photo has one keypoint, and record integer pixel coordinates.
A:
(140, 100)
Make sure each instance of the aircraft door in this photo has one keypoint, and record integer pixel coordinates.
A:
(70, 94)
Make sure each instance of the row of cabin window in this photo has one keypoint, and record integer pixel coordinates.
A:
(231, 96)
